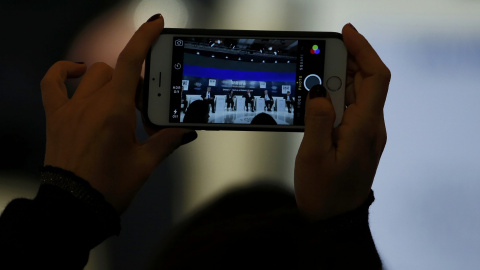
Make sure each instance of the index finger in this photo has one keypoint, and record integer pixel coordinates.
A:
(129, 62)
(54, 91)
(371, 84)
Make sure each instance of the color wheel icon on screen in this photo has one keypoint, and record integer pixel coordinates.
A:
(315, 49)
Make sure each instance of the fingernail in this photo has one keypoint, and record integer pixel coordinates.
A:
(189, 137)
(155, 17)
(351, 25)
(318, 91)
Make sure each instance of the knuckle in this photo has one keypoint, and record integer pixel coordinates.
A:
(127, 58)
(47, 82)
(101, 66)
(385, 73)
(383, 137)
(371, 131)
(319, 111)
(307, 155)
(377, 137)
(52, 74)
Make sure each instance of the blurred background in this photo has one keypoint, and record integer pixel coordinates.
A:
(426, 213)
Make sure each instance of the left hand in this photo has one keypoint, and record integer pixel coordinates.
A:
(93, 133)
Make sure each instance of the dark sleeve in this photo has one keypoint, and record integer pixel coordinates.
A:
(343, 242)
(59, 227)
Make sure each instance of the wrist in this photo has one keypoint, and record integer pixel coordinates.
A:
(77, 187)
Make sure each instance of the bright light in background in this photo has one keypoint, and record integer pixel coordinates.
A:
(174, 11)
(427, 186)
(104, 38)
(252, 14)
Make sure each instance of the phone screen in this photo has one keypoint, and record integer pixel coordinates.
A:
(243, 80)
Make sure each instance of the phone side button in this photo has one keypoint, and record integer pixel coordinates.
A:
(160, 79)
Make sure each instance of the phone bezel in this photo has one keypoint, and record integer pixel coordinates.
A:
(158, 115)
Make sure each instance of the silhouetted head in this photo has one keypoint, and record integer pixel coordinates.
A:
(197, 112)
(263, 119)
(248, 228)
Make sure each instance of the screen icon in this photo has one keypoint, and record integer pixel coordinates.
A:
(179, 42)
(311, 80)
(315, 49)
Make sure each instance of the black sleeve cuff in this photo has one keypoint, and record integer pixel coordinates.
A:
(107, 217)
(342, 242)
(59, 227)
(350, 220)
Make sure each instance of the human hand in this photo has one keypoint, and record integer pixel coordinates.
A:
(93, 133)
(335, 168)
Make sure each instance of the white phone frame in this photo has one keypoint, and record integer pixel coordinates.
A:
(158, 74)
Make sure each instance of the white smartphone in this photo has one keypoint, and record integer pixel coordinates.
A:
(241, 80)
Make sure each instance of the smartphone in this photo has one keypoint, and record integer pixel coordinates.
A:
(241, 80)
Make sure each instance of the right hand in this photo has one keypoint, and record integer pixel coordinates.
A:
(335, 168)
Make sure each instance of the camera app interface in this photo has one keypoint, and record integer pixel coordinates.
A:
(243, 81)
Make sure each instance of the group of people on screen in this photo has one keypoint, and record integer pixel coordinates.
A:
(250, 105)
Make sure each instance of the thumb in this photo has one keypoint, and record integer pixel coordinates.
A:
(319, 121)
(161, 144)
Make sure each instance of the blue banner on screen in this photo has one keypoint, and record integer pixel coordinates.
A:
(206, 72)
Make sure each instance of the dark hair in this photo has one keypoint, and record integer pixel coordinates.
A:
(197, 112)
(260, 227)
(248, 226)
(263, 119)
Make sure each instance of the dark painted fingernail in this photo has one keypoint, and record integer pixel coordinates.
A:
(155, 17)
(189, 137)
(351, 25)
(318, 91)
